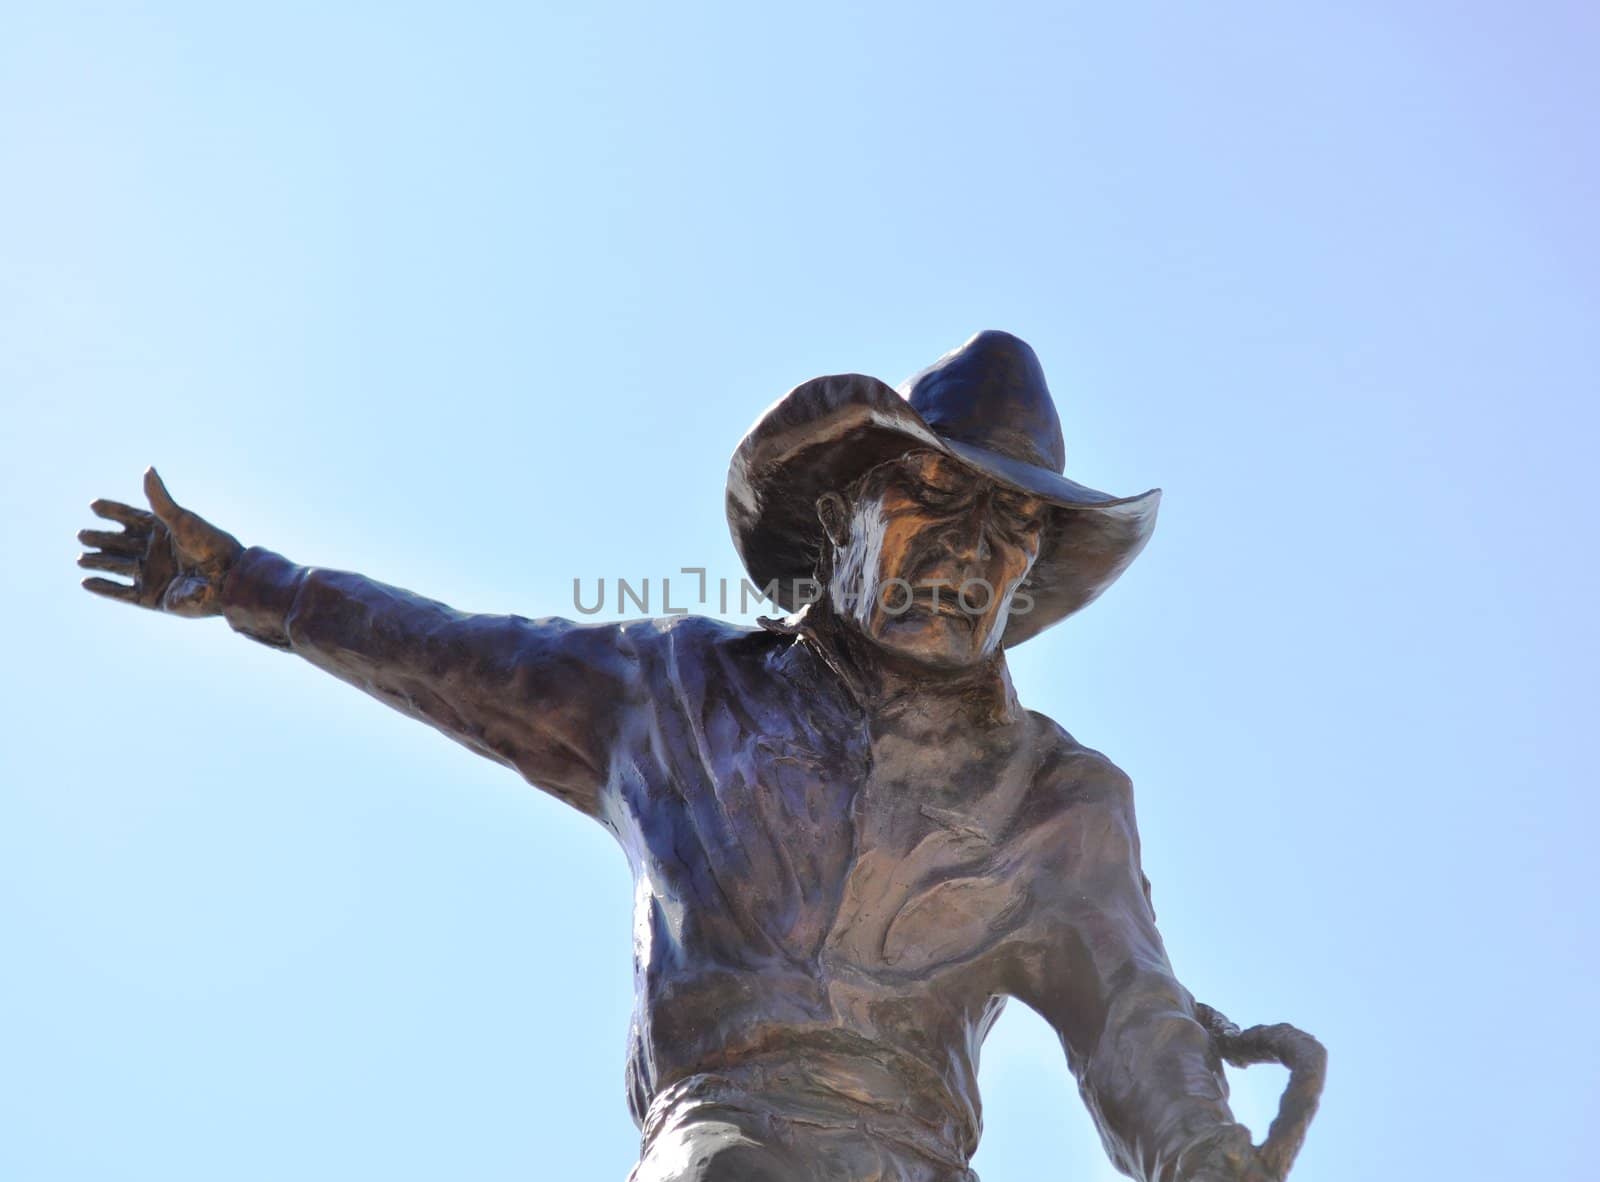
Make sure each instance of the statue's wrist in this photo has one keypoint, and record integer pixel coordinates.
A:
(258, 593)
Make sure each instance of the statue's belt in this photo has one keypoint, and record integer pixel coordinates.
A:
(830, 1093)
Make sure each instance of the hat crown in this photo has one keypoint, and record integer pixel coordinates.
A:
(991, 393)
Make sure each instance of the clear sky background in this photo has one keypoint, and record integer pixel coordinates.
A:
(477, 299)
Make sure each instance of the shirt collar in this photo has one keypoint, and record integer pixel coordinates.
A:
(983, 694)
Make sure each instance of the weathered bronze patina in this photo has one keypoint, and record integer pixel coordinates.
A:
(851, 843)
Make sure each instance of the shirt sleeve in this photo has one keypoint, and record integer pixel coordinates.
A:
(548, 698)
(1099, 974)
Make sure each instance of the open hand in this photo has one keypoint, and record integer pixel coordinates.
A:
(176, 559)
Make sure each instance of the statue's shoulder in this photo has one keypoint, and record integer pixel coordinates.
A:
(686, 629)
(1071, 775)
(1080, 813)
(698, 640)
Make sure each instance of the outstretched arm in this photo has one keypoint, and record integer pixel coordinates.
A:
(1100, 976)
(545, 697)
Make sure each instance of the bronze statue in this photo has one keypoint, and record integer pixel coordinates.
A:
(851, 844)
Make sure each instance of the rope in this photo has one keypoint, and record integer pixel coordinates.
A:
(1307, 1061)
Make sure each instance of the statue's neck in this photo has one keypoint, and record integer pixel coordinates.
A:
(884, 681)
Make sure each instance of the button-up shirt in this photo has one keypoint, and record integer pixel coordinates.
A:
(838, 883)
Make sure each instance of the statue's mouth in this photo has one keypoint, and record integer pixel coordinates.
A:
(942, 602)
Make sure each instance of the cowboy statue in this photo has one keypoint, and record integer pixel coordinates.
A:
(851, 844)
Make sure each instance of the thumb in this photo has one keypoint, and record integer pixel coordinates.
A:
(161, 502)
(196, 538)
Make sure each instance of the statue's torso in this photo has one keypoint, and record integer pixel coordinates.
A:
(825, 894)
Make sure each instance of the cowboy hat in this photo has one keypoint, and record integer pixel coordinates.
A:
(985, 405)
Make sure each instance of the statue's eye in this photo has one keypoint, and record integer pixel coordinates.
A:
(1018, 515)
(940, 499)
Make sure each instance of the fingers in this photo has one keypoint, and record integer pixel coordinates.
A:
(160, 499)
(117, 511)
(119, 552)
(130, 543)
(112, 590)
(117, 564)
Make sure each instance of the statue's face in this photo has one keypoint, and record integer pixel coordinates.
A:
(927, 556)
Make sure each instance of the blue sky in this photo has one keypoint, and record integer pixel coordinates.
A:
(477, 299)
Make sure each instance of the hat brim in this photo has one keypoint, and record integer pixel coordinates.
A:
(826, 432)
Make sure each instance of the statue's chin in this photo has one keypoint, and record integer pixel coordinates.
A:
(936, 641)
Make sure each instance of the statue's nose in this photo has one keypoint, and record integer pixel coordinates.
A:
(968, 535)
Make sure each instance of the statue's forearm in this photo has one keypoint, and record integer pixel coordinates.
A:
(1154, 1081)
(1145, 1064)
(539, 696)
